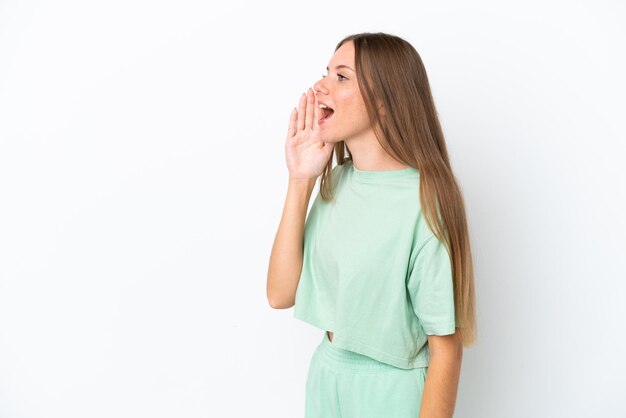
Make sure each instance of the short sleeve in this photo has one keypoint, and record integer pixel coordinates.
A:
(430, 287)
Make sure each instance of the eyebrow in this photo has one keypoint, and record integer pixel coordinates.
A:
(341, 66)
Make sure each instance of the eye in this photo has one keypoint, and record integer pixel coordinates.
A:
(341, 77)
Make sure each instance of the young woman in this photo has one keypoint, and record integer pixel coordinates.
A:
(383, 262)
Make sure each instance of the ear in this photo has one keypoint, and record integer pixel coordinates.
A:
(381, 109)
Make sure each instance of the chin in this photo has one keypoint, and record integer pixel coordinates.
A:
(331, 139)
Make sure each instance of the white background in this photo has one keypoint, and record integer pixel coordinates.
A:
(142, 179)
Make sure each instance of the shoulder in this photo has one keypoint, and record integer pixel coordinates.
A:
(344, 166)
(339, 168)
(337, 173)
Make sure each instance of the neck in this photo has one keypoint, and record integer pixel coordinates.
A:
(368, 154)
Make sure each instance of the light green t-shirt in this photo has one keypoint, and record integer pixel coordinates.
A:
(373, 272)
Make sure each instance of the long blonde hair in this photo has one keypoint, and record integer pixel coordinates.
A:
(390, 72)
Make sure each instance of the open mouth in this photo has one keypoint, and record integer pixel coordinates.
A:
(327, 112)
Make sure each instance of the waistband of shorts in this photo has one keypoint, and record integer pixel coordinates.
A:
(339, 358)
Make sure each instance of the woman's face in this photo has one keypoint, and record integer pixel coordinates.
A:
(339, 90)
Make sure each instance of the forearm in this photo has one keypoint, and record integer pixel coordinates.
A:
(442, 381)
(286, 257)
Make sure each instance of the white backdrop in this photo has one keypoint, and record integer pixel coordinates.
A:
(142, 179)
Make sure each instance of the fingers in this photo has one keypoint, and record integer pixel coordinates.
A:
(301, 112)
(292, 123)
(307, 114)
(310, 99)
(316, 115)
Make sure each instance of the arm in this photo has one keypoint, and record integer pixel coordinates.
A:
(442, 377)
(285, 263)
(307, 156)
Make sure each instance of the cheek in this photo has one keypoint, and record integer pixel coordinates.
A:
(351, 100)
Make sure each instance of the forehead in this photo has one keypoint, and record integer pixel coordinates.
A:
(344, 55)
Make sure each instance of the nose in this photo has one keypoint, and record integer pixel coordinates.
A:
(319, 87)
